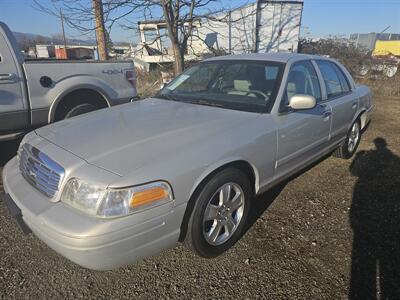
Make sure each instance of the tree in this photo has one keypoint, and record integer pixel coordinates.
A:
(179, 17)
(109, 42)
(87, 17)
(100, 29)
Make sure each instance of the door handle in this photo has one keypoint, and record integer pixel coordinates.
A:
(6, 76)
(323, 106)
(326, 114)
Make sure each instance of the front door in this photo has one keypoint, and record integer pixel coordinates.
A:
(302, 134)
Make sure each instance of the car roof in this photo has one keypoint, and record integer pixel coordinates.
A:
(283, 57)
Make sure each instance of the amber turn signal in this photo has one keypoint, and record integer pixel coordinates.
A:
(148, 196)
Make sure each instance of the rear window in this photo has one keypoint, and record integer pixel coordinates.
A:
(335, 81)
(343, 80)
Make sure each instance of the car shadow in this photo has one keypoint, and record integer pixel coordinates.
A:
(375, 220)
(262, 202)
(8, 150)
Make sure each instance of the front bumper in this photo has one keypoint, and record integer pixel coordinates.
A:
(94, 243)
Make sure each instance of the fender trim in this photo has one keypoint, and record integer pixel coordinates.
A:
(63, 94)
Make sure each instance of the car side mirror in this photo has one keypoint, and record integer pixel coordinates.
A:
(300, 101)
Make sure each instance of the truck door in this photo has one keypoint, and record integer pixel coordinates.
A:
(302, 134)
(13, 111)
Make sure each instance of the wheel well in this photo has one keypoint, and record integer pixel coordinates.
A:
(363, 119)
(241, 165)
(77, 97)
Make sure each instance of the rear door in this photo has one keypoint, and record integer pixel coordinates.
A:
(13, 113)
(340, 98)
(302, 134)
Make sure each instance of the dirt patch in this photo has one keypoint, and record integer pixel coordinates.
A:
(299, 244)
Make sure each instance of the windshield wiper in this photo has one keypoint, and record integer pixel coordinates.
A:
(201, 101)
(192, 100)
(166, 96)
(205, 102)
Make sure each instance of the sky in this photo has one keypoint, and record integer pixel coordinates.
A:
(320, 18)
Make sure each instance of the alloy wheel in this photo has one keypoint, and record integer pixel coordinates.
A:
(353, 137)
(223, 214)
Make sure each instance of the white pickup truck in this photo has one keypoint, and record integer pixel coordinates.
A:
(38, 92)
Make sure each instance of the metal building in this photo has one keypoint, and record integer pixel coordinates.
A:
(263, 26)
(368, 40)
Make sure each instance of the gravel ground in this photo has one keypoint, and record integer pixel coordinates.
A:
(299, 243)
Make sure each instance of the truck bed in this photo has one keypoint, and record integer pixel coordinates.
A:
(63, 76)
(54, 60)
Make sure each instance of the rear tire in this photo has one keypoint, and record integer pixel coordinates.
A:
(79, 102)
(220, 213)
(349, 146)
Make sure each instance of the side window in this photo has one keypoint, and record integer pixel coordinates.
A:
(342, 78)
(302, 79)
(335, 82)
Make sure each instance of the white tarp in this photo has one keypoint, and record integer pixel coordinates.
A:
(264, 26)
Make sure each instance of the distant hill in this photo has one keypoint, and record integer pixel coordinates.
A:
(23, 38)
(30, 39)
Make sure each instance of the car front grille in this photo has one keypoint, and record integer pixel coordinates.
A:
(39, 170)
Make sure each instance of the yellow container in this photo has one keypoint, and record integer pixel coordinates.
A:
(387, 48)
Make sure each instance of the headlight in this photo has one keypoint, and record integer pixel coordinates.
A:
(82, 195)
(23, 141)
(107, 203)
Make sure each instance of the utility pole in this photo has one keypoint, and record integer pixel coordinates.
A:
(100, 29)
(230, 32)
(63, 31)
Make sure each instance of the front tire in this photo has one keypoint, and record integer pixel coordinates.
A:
(220, 213)
(349, 147)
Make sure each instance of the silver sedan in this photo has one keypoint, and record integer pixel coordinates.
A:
(113, 186)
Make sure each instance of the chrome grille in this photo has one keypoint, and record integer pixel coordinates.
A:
(40, 170)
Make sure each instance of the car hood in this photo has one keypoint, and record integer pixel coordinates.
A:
(127, 137)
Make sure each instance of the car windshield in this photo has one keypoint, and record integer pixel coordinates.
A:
(241, 85)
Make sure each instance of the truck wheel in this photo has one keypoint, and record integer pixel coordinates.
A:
(79, 109)
(79, 102)
(349, 147)
(220, 213)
